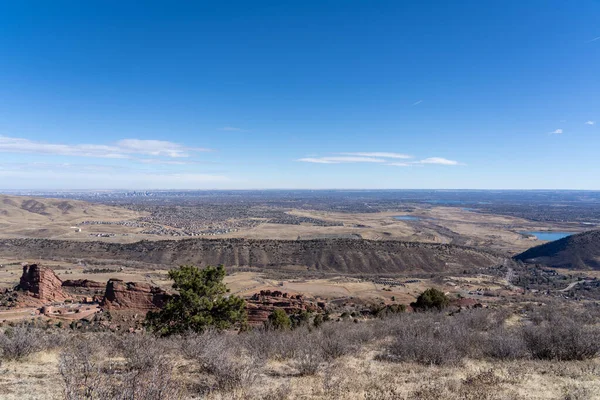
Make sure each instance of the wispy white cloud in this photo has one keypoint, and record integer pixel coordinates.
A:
(232, 129)
(380, 155)
(316, 160)
(557, 132)
(340, 160)
(41, 175)
(158, 161)
(122, 149)
(438, 160)
(416, 103)
(46, 167)
(594, 39)
(590, 123)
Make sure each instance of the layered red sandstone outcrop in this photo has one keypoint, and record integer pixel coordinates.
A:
(41, 283)
(83, 283)
(133, 296)
(262, 304)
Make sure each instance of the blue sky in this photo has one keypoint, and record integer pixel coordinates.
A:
(312, 94)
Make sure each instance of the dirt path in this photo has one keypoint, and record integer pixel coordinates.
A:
(571, 286)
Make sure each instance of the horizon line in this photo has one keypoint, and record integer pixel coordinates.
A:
(2, 191)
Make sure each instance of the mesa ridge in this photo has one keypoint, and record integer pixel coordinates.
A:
(328, 255)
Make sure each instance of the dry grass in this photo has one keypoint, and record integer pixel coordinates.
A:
(472, 355)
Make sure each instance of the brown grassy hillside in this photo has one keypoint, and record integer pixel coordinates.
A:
(52, 218)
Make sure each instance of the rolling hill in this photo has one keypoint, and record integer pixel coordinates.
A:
(581, 251)
(52, 218)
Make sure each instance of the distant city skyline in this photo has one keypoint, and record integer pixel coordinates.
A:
(311, 95)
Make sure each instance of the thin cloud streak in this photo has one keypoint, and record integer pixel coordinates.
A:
(557, 132)
(416, 103)
(46, 179)
(122, 149)
(379, 155)
(590, 123)
(316, 160)
(438, 160)
(340, 160)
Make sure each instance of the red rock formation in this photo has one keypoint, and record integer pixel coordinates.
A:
(83, 283)
(121, 295)
(262, 304)
(41, 283)
(465, 302)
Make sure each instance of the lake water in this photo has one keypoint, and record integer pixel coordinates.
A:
(407, 218)
(548, 236)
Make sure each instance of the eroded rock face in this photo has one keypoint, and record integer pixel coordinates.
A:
(122, 295)
(41, 283)
(262, 304)
(83, 283)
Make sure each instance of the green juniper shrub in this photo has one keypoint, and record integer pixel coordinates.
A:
(279, 320)
(301, 318)
(431, 299)
(318, 320)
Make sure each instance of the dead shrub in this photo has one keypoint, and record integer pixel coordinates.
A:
(337, 341)
(143, 352)
(427, 341)
(81, 372)
(86, 376)
(480, 386)
(223, 358)
(153, 383)
(504, 344)
(309, 356)
(19, 342)
(263, 344)
(281, 392)
(575, 392)
(562, 339)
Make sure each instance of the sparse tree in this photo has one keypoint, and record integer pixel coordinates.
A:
(202, 302)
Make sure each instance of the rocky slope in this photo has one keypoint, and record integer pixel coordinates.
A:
(262, 304)
(334, 255)
(580, 251)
